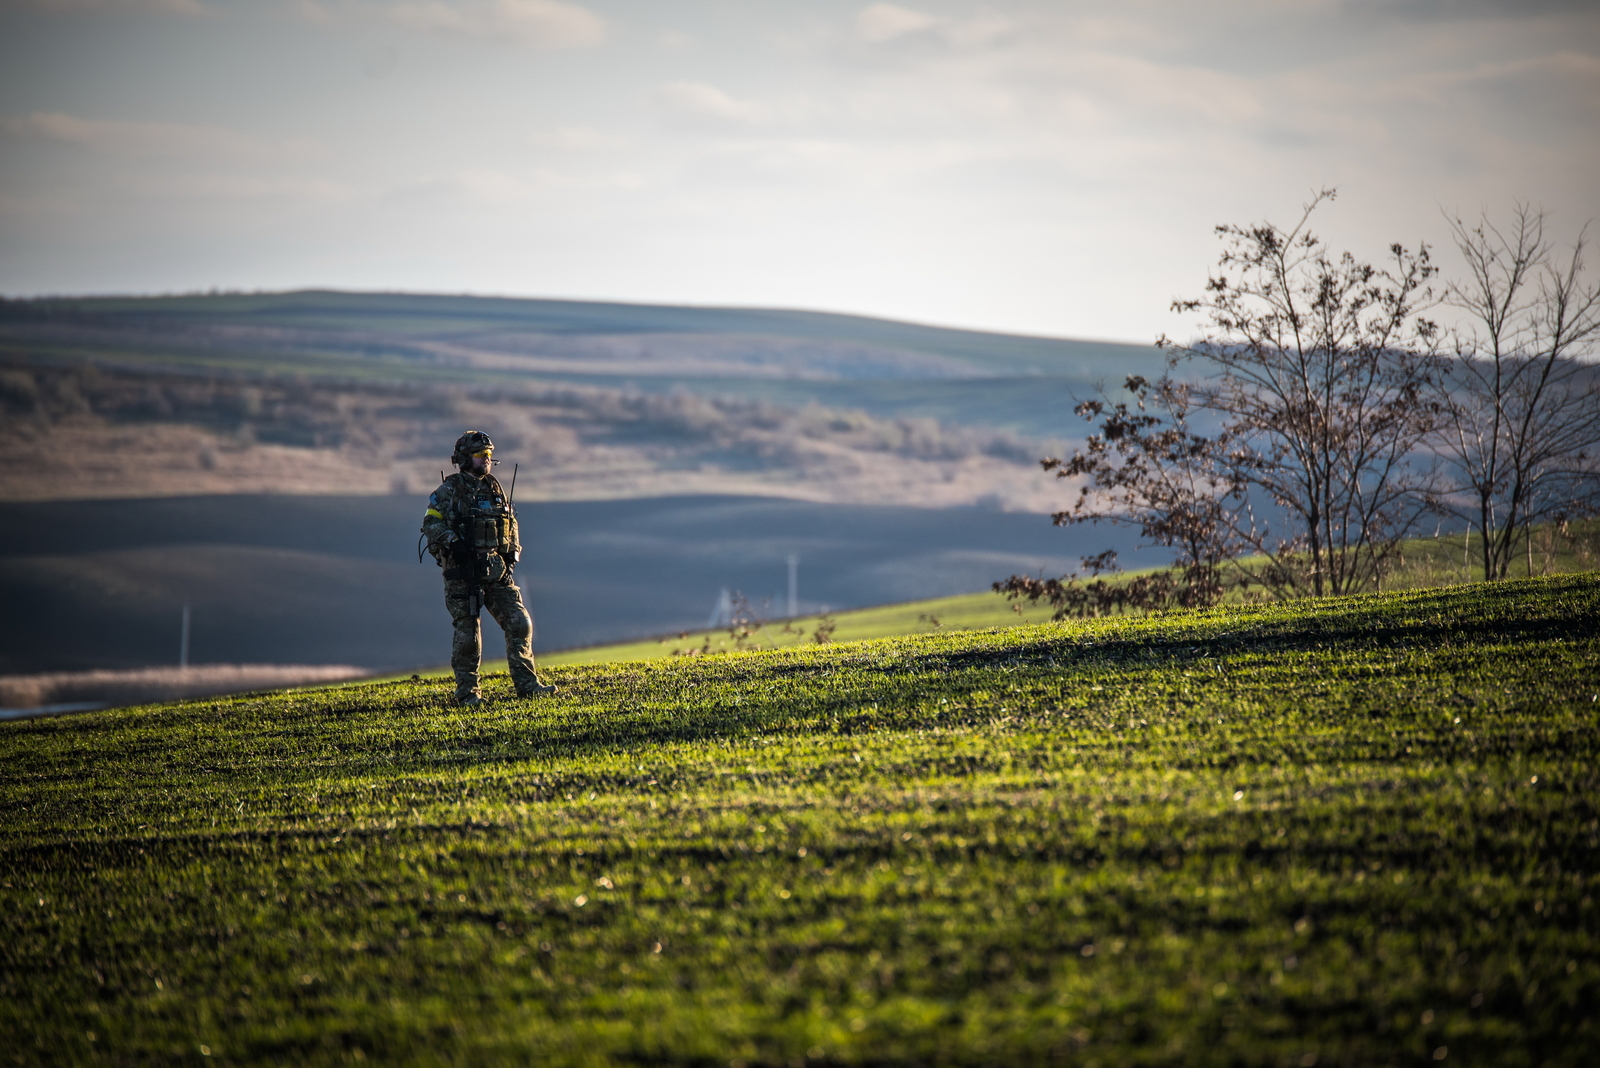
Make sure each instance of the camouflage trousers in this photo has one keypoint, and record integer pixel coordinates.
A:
(504, 602)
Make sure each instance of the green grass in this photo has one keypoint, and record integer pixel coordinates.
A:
(1425, 563)
(1453, 558)
(1356, 832)
(967, 611)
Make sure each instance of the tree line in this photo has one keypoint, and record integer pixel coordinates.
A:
(1323, 414)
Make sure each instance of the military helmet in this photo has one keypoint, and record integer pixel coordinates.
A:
(467, 444)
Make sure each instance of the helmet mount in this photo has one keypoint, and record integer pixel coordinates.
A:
(470, 444)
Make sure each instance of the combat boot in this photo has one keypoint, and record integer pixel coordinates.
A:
(467, 693)
(536, 688)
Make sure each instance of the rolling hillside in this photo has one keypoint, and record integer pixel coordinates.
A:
(1355, 832)
(335, 580)
(339, 393)
(393, 330)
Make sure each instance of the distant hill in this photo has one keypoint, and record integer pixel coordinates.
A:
(282, 443)
(409, 321)
(330, 579)
(323, 392)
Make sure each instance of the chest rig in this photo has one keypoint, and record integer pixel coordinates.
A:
(484, 516)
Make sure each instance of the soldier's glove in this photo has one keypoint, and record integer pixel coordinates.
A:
(460, 551)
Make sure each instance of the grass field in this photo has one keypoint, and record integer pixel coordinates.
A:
(1357, 832)
(1425, 563)
(967, 611)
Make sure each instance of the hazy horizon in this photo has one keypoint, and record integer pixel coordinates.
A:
(215, 291)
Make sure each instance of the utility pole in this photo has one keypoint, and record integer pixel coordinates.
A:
(794, 585)
(183, 642)
(722, 614)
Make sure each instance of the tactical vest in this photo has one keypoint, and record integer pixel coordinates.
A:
(486, 518)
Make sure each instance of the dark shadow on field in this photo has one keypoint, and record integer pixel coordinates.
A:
(1185, 841)
(634, 709)
(419, 740)
(317, 580)
(1356, 624)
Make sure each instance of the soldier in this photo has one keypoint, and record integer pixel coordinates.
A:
(471, 529)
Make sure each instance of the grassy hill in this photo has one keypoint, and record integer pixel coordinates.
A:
(373, 340)
(1424, 563)
(407, 317)
(966, 611)
(338, 393)
(1356, 832)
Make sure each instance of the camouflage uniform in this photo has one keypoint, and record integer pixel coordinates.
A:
(471, 530)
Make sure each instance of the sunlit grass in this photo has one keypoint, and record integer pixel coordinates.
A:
(1351, 832)
(969, 611)
(1424, 563)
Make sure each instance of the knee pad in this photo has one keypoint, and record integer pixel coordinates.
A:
(519, 626)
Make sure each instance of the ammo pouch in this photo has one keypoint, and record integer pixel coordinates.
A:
(486, 532)
(491, 534)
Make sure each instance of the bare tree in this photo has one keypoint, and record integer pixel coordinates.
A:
(1289, 458)
(1148, 468)
(1144, 468)
(1522, 404)
(1321, 370)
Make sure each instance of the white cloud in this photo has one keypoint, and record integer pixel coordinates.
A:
(540, 23)
(1163, 90)
(574, 139)
(699, 100)
(116, 7)
(311, 11)
(237, 187)
(487, 186)
(499, 187)
(885, 22)
(1563, 73)
(151, 138)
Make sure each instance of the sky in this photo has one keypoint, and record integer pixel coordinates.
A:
(1032, 166)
